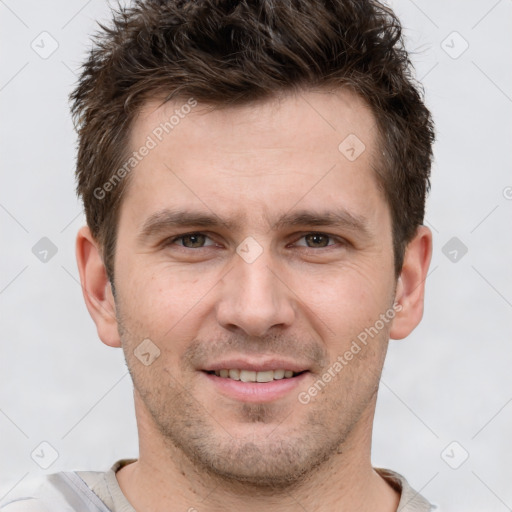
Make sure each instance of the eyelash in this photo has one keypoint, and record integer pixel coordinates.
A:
(171, 241)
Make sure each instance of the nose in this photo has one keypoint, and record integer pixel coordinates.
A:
(255, 297)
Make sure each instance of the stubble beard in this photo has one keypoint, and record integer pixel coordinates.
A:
(280, 460)
(283, 458)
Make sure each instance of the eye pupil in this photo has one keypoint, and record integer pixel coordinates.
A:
(196, 239)
(316, 237)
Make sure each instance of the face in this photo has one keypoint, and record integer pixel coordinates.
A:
(252, 246)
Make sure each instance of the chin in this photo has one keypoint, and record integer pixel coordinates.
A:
(268, 463)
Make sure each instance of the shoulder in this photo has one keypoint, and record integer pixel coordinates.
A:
(410, 500)
(36, 495)
(58, 492)
(28, 504)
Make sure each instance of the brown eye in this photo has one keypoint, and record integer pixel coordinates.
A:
(317, 240)
(192, 240)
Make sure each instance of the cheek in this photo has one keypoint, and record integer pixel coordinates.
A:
(153, 289)
(343, 303)
(163, 303)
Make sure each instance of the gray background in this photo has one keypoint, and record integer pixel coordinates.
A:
(448, 382)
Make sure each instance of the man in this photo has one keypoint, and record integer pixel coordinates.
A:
(254, 178)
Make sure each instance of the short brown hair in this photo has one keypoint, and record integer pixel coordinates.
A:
(225, 52)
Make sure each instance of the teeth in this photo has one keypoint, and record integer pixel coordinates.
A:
(252, 376)
(265, 376)
(234, 374)
(247, 376)
(279, 374)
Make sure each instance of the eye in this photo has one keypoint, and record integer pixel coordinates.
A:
(191, 241)
(317, 240)
(199, 240)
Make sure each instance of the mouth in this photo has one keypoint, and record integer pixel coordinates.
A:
(255, 376)
(242, 381)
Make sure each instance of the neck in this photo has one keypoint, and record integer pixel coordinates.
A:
(164, 479)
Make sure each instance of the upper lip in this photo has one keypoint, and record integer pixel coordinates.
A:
(256, 366)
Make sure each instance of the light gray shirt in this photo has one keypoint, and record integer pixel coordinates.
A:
(99, 491)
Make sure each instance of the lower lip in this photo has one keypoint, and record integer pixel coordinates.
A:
(255, 391)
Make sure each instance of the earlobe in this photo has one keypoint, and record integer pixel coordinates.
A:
(410, 289)
(96, 287)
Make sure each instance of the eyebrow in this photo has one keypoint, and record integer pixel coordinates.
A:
(337, 218)
(167, 219)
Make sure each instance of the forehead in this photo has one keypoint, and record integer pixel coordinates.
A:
(305, 149)
(306, 115)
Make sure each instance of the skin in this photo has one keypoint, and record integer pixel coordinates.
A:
(304, 298)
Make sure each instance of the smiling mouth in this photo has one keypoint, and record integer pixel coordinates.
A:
(254, 376)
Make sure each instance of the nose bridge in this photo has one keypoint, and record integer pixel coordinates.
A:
(253, 298)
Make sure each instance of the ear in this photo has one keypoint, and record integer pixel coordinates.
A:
(410, 288)
(96, 287)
